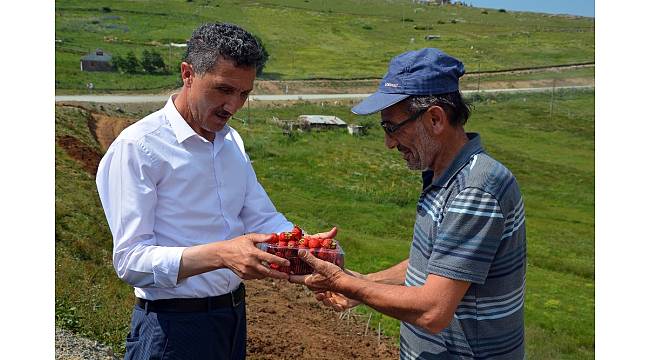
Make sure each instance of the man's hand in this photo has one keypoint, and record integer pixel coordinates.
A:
(326, 275)
(337, 301)
(239, 255)
(247, 261)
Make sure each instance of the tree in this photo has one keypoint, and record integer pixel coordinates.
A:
(152, 62)
(131, 63)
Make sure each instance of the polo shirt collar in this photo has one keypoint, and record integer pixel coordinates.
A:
(181, 128)
(471, 148)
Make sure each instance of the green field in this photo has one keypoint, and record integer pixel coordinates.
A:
(310, 39)
(329, 178)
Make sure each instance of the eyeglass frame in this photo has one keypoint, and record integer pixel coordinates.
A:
(391, 128)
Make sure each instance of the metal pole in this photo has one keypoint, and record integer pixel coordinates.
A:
(478, 86)
(552, 98)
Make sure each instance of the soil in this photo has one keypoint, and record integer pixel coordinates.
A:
(82, 153)
(284, 320)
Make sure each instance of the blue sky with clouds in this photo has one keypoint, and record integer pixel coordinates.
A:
(573, 7)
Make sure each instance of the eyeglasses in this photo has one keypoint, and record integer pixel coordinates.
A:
(391, 128)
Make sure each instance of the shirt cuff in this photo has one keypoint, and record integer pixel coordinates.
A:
(166, 264)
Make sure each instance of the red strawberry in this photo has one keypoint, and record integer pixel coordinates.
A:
(274, 266)
(292, 244)
(302, 242)
(296, 233)
(313, 243)
(281, 237)
(326, 243)
(282, 243)
(274, 238)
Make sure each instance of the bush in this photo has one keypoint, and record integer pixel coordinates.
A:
(484, 12)
(152, 62)
(130, 64)
(408, 20)
(441, 22)
(502, 10)
(106, 9)
(367, 27)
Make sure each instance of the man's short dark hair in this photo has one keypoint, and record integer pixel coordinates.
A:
(453, 103)
(228, 41)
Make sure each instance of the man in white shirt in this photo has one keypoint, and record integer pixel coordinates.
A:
(186, 210)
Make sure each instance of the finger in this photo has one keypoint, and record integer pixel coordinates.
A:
(320, 296)
(328, 235)
(258, 238)
(272, 259)
(310, 259)
(277, 274)
(298, 279)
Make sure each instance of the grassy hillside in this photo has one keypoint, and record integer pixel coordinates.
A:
(313, 38)
(321, 179)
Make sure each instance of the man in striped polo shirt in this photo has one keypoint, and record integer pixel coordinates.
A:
(460, 294)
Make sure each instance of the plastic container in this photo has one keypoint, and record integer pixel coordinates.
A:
(297, 265)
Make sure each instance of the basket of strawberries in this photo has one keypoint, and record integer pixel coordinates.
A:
(287, 244)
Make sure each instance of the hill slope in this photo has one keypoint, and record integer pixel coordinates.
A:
(314, 38)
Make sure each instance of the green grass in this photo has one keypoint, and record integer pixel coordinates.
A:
(329, 178)
(312, 39)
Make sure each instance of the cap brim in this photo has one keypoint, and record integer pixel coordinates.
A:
(377, 102)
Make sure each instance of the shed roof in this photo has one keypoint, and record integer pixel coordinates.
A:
(321, 120)
(98, 55)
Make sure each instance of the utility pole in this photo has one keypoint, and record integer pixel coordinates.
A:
(248, 110)
(552, 99)
(478, 85)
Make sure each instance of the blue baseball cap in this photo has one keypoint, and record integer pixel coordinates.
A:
(426, 71)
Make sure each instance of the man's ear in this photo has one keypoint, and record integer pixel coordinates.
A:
(187, 74)
(439, 120)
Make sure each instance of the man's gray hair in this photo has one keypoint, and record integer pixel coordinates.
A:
(453, 103)
(228, 41)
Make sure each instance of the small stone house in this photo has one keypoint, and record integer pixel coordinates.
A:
(97, 61)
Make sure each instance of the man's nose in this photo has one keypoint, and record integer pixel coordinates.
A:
(389, 141)
(234, 103)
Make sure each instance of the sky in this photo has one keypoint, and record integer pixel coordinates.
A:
(573, 7)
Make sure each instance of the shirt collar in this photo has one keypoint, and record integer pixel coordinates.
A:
(181, 128)
(471, 148)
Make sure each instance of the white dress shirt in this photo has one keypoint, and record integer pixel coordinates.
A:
(164, 188)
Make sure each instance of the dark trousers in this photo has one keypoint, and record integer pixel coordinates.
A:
(215, 334)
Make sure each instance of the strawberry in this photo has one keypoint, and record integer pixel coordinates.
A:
(334, 244)
(282, 243)
(296, 233)
(313, 243)
(274, 238)
(274, 266)
(292, 244)
(282, 237)
(326, 243)
(303, 242)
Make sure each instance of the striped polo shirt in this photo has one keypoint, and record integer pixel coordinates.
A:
(470, 226)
